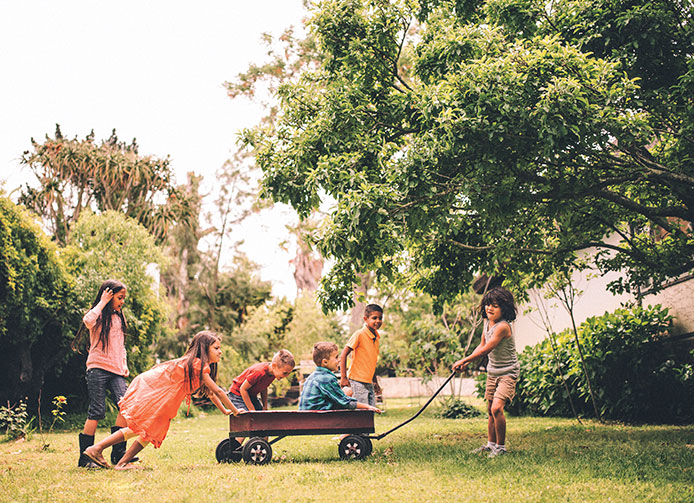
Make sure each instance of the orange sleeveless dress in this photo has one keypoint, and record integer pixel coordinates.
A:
(153, 398)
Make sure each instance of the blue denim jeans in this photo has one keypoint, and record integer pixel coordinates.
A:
(237, 400)
(97, 382)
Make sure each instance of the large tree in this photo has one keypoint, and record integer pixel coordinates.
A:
(74, 175)
(504, 136)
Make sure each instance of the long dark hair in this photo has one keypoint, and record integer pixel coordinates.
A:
(502, 298)
(106, 315)
(199, 348)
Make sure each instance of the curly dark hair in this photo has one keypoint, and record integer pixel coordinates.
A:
(502, 298)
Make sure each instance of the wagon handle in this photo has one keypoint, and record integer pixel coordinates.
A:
(379, 437)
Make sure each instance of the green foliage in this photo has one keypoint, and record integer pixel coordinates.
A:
(424, 337)
(37, 306)
(636, 375)
(236, 290)
(14, 421)
(309, 325)
(76, 175)
(112, 245)
(501, 135)
(282, 325)
(456, 408)
(264, 331)
(58, 415)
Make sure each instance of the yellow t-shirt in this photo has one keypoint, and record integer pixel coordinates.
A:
(364, 346)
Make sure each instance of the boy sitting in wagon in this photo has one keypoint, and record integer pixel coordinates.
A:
(322, 390)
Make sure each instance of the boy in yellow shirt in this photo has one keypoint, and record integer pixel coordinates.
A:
(362, 374)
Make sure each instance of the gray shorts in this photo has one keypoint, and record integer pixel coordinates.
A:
(97, 382)
(238, 402)
(363, 392)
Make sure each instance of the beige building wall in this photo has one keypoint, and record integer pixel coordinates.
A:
(594, 300)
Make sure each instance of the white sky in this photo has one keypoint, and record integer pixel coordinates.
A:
(151, 69)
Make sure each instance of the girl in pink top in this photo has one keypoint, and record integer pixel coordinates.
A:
(153, 398)
(107, 365)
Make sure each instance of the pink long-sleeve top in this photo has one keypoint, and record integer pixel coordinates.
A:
(113, 359)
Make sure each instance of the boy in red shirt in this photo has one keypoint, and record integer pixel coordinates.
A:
(249, 390)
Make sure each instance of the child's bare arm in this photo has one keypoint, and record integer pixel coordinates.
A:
(343, 366)
(368, 407)
(246, 396)
(218, 396)
(263, 398)
(483, 349)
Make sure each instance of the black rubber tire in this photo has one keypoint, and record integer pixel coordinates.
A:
(257, 451)
(354, 447)
(228, 451)
(369, 446)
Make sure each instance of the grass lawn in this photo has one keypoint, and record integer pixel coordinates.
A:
(552, 460)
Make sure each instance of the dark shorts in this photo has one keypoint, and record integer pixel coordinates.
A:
(97, 382)
(240, 404)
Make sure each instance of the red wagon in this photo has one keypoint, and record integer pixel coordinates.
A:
(357, 425)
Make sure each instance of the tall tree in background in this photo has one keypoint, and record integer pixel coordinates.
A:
(288, 57)
(501, 136)
(207, 292)
(74, 175)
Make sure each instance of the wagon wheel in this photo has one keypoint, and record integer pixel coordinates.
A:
(369, 446)
(257, 451)
(228, 451)
(354, 447)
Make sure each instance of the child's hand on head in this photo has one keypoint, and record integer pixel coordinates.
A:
(106, 296)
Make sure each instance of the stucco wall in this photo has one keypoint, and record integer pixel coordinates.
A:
(595, 300)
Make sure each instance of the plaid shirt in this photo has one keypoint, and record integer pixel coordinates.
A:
(322, 392)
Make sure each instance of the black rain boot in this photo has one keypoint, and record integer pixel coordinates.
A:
(118, 450)
(84, 461)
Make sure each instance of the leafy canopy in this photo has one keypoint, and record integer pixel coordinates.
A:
(503, 135)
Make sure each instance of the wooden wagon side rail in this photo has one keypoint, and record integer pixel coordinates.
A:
(301, 422)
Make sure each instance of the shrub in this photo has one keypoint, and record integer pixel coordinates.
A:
(635, 373)
(14, 420)
(454, 408)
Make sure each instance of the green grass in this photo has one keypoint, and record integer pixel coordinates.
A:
(428, 460)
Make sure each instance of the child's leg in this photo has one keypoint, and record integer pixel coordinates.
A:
(130, 454)
(490, 390)
(241, 405)
(97, 381)
(505, 390)
(491, 424)
(94, 452)
(118, 389)
(499, 420)
(96, 387)
(90, 426)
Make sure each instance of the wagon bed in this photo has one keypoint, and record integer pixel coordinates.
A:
(301, 422)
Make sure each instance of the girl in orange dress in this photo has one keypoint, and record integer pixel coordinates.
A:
(153, 398)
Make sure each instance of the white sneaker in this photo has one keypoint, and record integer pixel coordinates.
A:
(480, 450)
(497, 452)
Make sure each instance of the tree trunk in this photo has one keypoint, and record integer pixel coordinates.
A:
(356, 318)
